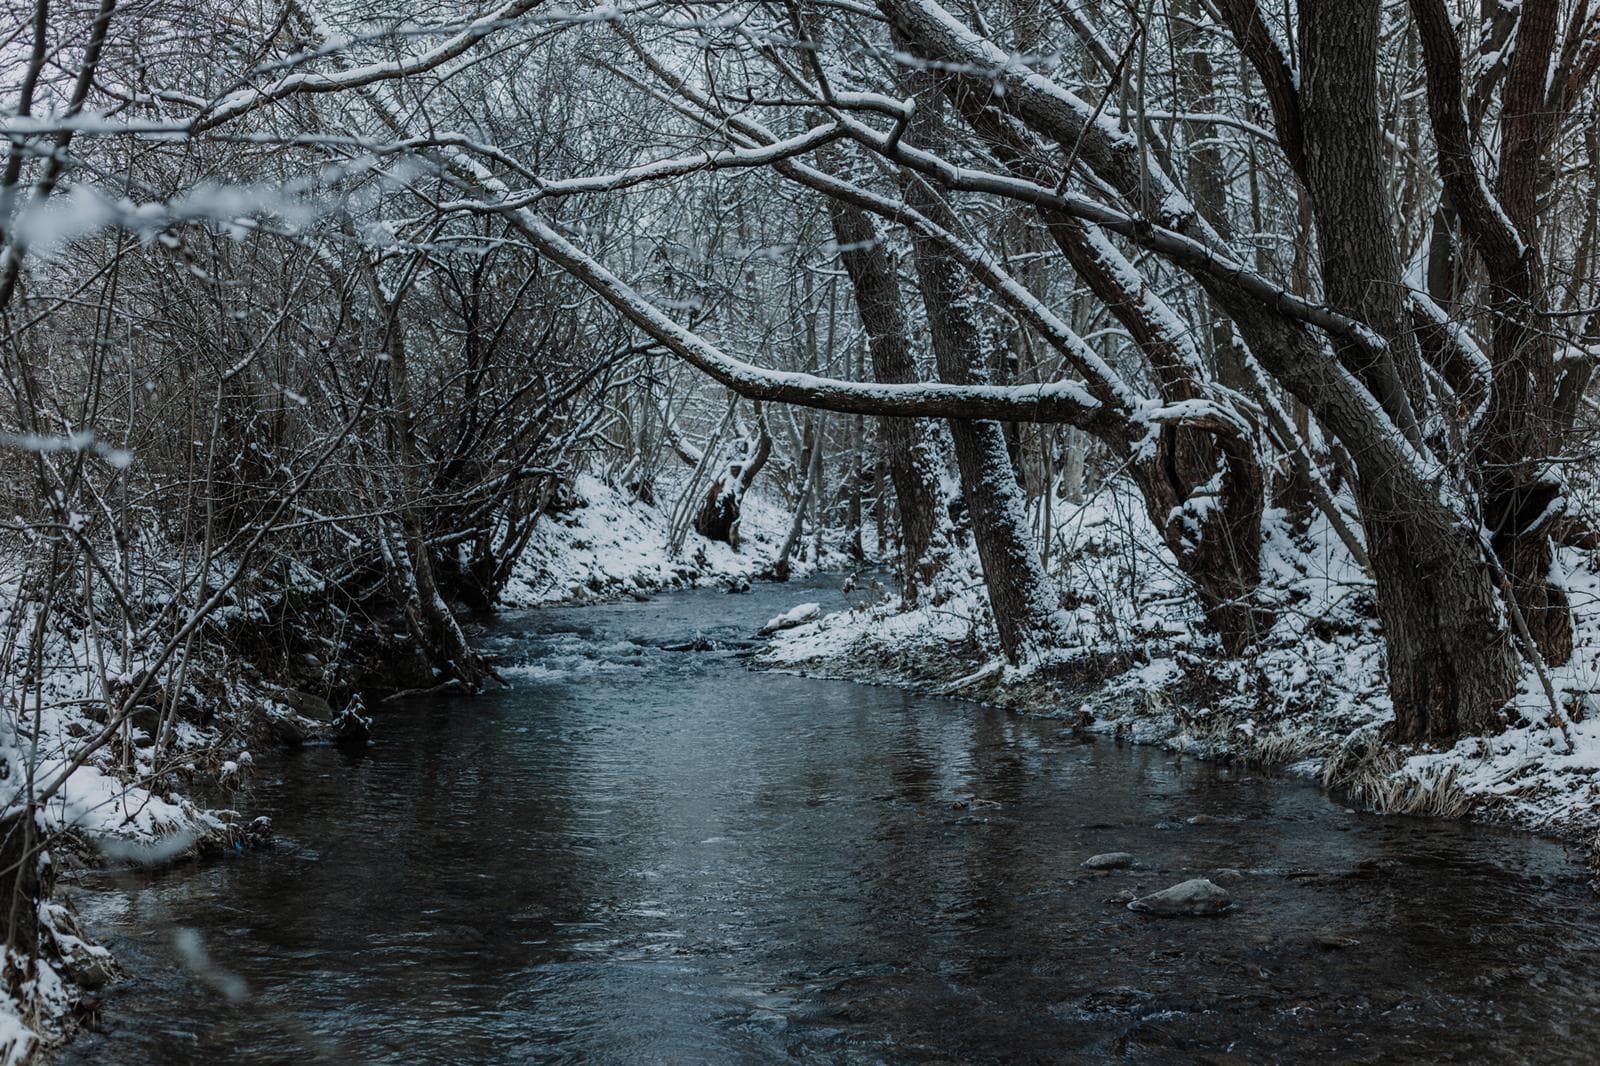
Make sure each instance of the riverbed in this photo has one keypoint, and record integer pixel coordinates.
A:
(643, 851)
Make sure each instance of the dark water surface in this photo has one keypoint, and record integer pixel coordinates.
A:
(639, 856)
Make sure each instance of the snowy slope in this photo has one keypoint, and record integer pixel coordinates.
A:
(611, 544)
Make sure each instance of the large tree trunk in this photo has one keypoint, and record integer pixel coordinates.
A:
(914, 460)
(1026, 609)
(1348, 184)
(1452, 664)
(1452, 658)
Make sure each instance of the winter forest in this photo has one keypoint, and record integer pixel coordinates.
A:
(816, 530)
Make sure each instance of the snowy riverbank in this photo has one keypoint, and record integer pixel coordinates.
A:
(1310, 698)
(604, 544)
(102, 796)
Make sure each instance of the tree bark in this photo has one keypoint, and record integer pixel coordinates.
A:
(1350, 201)
(914, 460)
(1025, 605)
(718, 517)
(1452, 660)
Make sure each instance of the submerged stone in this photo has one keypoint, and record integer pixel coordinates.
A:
(1196, 896)
(1111, 860)
(1334, 940)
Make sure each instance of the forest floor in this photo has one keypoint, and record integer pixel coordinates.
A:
(1310, 699)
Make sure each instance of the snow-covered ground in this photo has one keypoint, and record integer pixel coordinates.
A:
(1310, 698)
(608, 543)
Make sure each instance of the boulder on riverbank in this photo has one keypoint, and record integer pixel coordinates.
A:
(351, 728)
(290, 727)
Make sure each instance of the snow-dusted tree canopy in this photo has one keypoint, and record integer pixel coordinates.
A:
(313, 311)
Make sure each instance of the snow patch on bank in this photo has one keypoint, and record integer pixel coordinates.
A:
(117, 803)
(1527, 775)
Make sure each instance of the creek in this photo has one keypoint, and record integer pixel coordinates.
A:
(637, 854)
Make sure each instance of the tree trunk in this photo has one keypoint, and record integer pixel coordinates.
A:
(1452, 664)
(1452, 660)
(1350, 200)
(1026, 609)
(718, 517)
(808, 476)
(20, 886)
(914, 459)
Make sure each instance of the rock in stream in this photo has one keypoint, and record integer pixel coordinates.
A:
(1111, 860)
(1193, 897)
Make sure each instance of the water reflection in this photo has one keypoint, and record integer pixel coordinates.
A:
(639, 855)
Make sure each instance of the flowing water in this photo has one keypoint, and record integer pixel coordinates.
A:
(646, 855)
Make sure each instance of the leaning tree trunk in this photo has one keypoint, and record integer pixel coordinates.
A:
(1203, 486)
